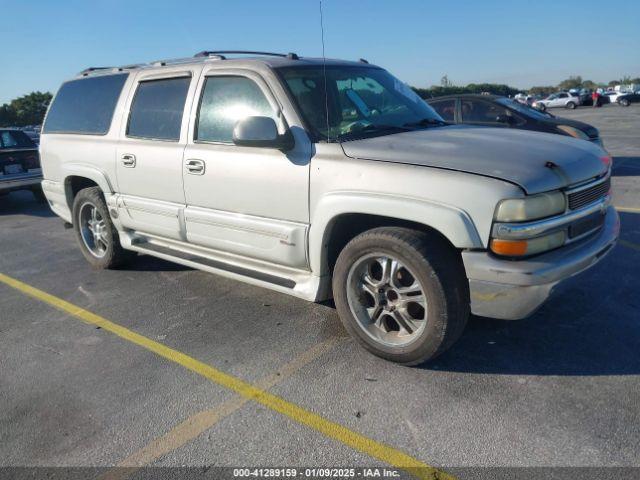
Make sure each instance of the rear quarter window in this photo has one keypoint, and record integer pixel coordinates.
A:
(85, 105)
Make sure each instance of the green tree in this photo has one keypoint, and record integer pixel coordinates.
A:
(30, 109)
(571, 82)
(542, 90)
(7, 116)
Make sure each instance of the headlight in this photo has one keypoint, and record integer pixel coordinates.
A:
(574, 132)
(520, 248)
(530, 208)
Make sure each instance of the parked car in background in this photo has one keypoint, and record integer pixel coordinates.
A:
(627, 99)
(556, 100)
(613, 95)
(498, 111)
(19, 163)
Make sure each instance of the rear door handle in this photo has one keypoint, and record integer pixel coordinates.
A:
(195, 166)
(129, 160)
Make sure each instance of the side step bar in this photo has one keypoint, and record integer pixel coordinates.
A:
(190, 257)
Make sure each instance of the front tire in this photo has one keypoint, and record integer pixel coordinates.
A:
(401, 293)
(96, 235)
(624, 102)
(542, 107)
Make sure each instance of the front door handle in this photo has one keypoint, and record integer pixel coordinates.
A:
(195, 166)
(129, 160)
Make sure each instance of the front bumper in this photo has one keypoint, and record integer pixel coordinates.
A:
(514, 289)
(9, 183)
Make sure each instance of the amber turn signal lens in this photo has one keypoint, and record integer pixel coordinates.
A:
(510, 248)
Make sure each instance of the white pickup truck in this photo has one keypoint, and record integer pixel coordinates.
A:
(325, 179)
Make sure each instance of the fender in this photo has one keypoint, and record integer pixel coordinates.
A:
(455, 224)
(88, 171)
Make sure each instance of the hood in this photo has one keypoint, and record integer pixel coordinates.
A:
(517, 156)
(585, 127)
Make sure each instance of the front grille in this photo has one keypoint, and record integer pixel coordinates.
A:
(588, 195)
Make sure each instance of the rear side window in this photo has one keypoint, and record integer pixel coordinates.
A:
(445, 108)
(15, 139)
(85, 106)
(225, 100)
(157, 108)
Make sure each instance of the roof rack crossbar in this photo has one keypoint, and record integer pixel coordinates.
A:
(207, 53)
(89, 70)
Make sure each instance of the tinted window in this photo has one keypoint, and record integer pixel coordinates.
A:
(15, 139)
(85, 105)
(478, 111)
(446, 108)
(226, 100)
(157, 108)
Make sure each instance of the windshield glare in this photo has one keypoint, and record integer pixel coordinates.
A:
(360, 101)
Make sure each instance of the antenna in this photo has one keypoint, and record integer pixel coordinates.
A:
(324, 72)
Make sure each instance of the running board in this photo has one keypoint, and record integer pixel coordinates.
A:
(218, 265)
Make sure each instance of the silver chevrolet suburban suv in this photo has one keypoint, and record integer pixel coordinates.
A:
(325, 178)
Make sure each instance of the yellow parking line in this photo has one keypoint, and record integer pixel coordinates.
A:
(334, 430)
(628, 209)
(202, 421)
(628, 244)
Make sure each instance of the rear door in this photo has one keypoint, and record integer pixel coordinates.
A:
(18, 155)
(245, 200)
(149, 153)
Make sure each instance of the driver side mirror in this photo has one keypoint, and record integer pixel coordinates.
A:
(261, 132)
(506, 119)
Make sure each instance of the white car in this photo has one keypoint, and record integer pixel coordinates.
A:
(251, 168)
(560, 99)
(613, 96)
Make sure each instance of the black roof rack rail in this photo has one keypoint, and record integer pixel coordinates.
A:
(220, 54)
(363, 60)
(86, 71)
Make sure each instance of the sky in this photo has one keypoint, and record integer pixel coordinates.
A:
(520, 43)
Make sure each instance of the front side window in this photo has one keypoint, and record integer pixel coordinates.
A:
(225, 100)
(85, 106)
(445, 108)
(359, 101)
(157, 109)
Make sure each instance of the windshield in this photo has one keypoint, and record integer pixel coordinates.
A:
(522, 108)
(361, 101)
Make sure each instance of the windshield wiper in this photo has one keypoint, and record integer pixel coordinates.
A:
(375, 128)
(426, 122)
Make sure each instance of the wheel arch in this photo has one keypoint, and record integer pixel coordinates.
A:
(78, 176)
(345, 215)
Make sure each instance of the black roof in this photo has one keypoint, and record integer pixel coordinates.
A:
(490, 96)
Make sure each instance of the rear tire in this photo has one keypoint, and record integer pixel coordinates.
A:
(415, 311)
(96, 235)
(571, 105)
(624, 102)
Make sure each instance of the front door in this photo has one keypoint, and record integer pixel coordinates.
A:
(245, 200)
(149, 156)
